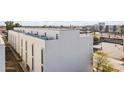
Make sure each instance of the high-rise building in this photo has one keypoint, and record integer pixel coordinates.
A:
(101, 26)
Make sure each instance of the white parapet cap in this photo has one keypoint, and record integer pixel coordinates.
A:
(1, 40)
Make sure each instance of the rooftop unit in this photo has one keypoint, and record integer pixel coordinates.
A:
(43, 36)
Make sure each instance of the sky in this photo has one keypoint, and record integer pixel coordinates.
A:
(65, 23)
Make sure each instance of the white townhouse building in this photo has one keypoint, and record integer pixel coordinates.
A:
(2, 55)
(53, 50)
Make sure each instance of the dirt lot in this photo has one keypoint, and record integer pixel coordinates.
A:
(12, 65)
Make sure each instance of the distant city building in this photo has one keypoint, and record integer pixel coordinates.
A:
(112, 28)
(96, 27)
(2, 55)
(54, 50)
(107, 28)
(101, 26)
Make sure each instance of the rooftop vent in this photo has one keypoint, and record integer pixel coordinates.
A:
(31, 32)
(57, 36)
(45, 34)
(36, 33)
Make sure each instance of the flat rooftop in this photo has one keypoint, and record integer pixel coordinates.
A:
(33, 28)
(41, 34)
(45, 33)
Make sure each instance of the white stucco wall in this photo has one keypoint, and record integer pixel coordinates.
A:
(2, 55)
(68, 53)
(39, 44)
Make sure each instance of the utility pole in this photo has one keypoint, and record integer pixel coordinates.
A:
(100, 29)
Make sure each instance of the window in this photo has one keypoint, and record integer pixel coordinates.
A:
(15, 43)
(32, 64)
(26, 51)
(42, 56)
(22, 48)
(26, 45)
(41, 60)
(26, 57)
(21, 42)
(32, 57)
(41, 68)
(13, 40)
(32, 50)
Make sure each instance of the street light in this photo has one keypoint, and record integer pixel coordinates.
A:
(100, 29)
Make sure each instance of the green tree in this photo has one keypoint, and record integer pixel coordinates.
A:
(61, 26)
(109, 68)
(9, 25)
(102, 64)
(17, 25)
(44, 26)
(96, 40)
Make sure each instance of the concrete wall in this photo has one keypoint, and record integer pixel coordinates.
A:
(2, 55)
(38, 44)
(69, 53)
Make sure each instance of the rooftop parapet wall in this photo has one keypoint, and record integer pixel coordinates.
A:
(50, 34)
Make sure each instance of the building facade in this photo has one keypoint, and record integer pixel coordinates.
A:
(2, 55)
(112, 28)
(52, 50)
